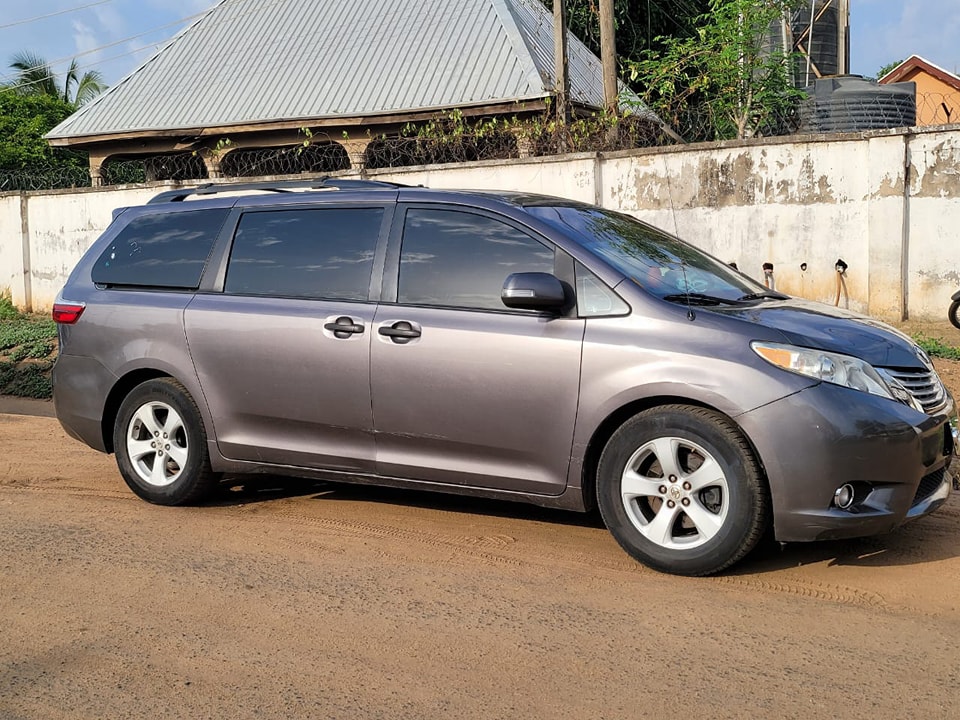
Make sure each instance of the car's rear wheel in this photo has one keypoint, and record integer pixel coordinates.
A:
(680, 489)
(161, 444)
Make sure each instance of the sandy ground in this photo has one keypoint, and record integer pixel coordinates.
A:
(292, 599)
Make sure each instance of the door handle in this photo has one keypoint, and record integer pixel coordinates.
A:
(344, 327)
(400, 332)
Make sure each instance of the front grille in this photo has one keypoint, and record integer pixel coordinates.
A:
(929, 484)
(924, 385)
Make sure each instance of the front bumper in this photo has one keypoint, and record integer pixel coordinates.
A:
(812, 442)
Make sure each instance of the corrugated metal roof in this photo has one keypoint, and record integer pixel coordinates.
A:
(249, 61)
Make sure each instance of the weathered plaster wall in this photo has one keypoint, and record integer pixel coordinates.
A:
(12, 278)
(933, 221)
(887, 203)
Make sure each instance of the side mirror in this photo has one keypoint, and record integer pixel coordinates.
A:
(533, 291)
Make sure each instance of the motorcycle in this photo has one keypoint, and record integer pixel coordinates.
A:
(954, 308)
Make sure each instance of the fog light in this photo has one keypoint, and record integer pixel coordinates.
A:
(844, 496)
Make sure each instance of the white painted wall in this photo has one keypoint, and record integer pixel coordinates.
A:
(787, 201)
(11, 250)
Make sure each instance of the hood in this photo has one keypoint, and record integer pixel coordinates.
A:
(823, 327)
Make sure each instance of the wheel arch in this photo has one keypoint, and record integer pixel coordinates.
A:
(608, 426)
(115, 397)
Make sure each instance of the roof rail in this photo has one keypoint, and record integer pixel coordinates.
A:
(280, 186)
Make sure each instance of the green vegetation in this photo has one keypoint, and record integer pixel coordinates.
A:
(24, 119)
(935, 347)
(27, 350)
(888, 68)
(35, 76)
(31, 105)
(641, 25)
(722, 81)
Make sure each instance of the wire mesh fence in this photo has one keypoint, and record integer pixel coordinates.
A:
(44, 177)
(292, 160)
(172, 166)
(938, 108)
(453, 139)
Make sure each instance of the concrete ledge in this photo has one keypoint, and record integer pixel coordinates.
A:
(11, 405)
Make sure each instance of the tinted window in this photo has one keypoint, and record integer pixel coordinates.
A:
(658, 262)
(460, 259)
(161, 250)
(326, 253)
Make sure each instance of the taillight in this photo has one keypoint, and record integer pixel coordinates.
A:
(67, 313)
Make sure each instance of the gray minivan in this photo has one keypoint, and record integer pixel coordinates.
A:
(494, 344)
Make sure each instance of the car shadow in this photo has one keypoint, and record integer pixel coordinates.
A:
(925, 540)
(247, 489)
(921, 541)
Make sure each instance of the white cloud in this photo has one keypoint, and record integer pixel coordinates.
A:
(884, 31)
(111, 21)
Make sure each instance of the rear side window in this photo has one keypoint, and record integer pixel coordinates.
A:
(318, 254)
(161, 250)
(458, 259)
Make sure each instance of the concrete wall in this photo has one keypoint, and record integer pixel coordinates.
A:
(887, 203)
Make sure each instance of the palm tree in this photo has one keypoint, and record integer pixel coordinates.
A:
(36, 77)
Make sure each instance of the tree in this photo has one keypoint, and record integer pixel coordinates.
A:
(26, 160)
(887, 69)
(725, 81)
(640, 24)
(36, 77)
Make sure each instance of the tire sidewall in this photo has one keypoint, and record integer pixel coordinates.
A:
(185, 485)
(742, 486)
(952, 313)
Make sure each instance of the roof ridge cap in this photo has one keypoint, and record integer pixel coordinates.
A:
(521, 47)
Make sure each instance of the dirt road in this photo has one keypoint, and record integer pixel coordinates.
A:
(290, 599)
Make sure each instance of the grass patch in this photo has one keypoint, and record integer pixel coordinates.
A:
(28, 346)
(935, 347)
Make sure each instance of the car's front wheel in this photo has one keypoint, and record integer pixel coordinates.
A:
(680, 489)
(161, 444)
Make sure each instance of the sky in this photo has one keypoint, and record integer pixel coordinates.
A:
(116, 36)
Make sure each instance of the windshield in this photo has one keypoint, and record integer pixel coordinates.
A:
(658, 262)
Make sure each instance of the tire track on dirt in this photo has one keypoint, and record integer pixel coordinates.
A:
(506, 550)
(495, 550)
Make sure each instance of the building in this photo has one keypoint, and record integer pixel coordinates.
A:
(262, 87)
(938, 90)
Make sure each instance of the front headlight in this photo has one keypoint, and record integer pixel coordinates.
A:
(829, 367)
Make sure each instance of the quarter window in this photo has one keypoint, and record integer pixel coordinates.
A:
(594, 299)
(458, 259)
(322, 253)
(166, 250)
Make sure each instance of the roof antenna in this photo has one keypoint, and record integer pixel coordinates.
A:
(691, 315)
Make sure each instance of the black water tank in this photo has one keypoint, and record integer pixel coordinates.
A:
(850, 103)
(824, 49)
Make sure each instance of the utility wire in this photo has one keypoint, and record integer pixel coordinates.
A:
(121, 41)
(53, 14)
(51, 63)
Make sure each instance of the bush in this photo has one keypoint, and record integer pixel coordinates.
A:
(31, 380)
(7, 309)
(27, 346)
(935, 347)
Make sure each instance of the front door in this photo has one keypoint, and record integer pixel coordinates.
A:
(465, 390)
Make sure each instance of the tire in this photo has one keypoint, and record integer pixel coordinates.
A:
(160, 422)
(680, 489)
(952, 314)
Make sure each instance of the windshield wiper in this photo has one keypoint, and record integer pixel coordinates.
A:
(700, 299)
(766, 295)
